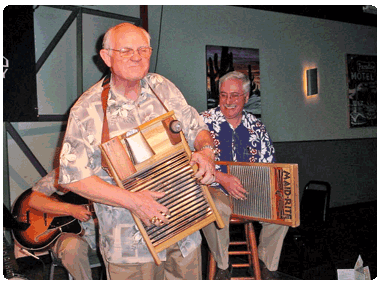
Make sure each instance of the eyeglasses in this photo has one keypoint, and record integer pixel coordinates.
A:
(233, 96)
(129, 52)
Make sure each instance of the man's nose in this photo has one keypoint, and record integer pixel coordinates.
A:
(136, 56)
(229, 99)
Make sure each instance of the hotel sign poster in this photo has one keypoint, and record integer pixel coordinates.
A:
(222, 59)
(362, 83)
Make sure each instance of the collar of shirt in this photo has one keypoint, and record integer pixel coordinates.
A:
(120, 103)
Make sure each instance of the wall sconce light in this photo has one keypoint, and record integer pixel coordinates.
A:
(312, 81)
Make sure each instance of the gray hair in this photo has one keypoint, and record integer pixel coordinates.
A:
(108, 35)
(236, 75)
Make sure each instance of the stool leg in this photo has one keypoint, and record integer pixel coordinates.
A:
(249, 247)
(253, 249)
(51, 277)
(211, 266)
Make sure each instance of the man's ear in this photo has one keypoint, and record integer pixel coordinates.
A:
(106, 57)
(246, 98)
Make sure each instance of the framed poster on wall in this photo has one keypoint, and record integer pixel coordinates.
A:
(220, 60)
(362, 83)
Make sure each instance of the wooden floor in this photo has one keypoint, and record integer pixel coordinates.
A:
(352, 231)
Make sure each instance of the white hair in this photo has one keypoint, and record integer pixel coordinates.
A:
(236, 75)
(108, 35)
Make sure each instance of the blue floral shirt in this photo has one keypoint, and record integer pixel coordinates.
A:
(249, 142)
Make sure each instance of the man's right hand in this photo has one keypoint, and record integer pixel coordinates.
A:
(80, 212)
(232, 184)
(144, 205)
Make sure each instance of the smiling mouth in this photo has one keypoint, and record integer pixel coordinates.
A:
(227, 106)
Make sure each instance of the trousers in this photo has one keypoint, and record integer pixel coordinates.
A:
(176, 267)
(270, 240)
(72, 250)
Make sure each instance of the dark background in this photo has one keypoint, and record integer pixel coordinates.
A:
(19, 84)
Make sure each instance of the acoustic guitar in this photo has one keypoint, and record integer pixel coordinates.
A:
(43, 228)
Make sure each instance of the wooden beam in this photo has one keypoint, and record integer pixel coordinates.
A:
(144, 16)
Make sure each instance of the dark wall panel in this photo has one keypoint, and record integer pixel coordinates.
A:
(19, 80)
(350, 166)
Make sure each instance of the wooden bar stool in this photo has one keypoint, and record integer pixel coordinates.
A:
(251, 251)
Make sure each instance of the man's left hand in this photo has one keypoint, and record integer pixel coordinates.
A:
(206, 166)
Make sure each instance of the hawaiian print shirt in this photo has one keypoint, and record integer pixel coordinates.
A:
(249, 142)
(120, 239)
(48, 187)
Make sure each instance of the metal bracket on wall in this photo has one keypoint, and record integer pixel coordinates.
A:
(76, 14)
(25, 149)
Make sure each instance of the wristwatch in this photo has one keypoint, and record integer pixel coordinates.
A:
(208, 146)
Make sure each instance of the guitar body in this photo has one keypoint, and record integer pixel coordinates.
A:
(44, 228)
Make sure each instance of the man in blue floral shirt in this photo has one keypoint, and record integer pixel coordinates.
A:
(238, 136)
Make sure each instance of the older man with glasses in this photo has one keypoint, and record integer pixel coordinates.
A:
(238, 136)
(132, 98)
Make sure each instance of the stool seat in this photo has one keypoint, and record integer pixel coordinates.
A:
(235, 219)
(251, 251)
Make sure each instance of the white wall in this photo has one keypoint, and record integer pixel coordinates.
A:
(44, 140)
(288, 44)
